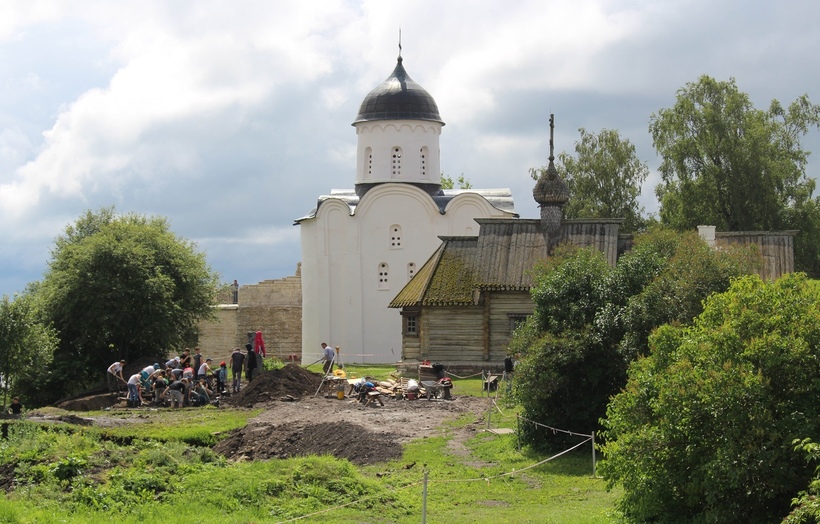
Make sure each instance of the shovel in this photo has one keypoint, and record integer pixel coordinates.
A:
(314, 363)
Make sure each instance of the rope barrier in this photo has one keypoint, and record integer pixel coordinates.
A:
(442, 481)
(468, 376)
(513, 472)
(555, 430)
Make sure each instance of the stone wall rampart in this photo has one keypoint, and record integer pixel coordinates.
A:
(271, 306)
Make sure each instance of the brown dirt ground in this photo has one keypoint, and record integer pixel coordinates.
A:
(298, 422)
(323, 424)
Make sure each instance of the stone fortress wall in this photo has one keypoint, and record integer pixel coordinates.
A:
(271, 306)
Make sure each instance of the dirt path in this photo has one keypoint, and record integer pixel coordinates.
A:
(346, 429)
(310, 424)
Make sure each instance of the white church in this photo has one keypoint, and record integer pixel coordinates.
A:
(361, 246)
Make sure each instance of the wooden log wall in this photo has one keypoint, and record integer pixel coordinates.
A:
(503, 304)
(452, 334)
(776, 248)
(467, 333)
(600, 234)
(411, 346)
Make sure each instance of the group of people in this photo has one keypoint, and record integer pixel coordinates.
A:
(185, 380)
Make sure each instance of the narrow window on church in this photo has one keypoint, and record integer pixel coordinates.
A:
(395, 236)
(368, 163)
(383, 268)
(423, 162)
(396, 162)
(411, 270)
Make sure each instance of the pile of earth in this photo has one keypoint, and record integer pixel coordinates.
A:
(291, 380)
(348, 441)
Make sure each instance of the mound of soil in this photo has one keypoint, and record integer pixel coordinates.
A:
(291, 380)
(345, 428)
(342, 440)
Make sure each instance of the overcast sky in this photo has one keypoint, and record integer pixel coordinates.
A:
(231, 118)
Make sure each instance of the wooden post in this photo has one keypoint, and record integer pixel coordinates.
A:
(424, 499)
(486, 353)
(489, 416)
(594, 472)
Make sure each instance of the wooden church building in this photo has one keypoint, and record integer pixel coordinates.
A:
(462, 305)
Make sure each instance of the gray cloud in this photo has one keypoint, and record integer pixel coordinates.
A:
(231, 122)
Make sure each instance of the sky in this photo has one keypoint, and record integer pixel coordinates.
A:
(231, 118)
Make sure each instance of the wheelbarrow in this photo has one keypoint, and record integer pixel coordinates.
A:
(436, 389)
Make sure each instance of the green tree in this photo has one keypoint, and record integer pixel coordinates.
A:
(565, 374)
(728, 164)
(26, 344)
(676, 293)
(807, 503)
(122, 286)
(604, 179)
(449, 183)
(704, 430)
(591, 321)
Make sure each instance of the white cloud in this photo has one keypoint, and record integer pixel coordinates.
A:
(16, 15)
(167, 76)
(231, 117)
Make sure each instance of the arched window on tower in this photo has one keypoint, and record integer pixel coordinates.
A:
(423, 154)
(396, 158)
(383, 270)
(368, 163)
(411, 270)
(395, 236)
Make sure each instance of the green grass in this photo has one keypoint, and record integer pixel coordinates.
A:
(203, 427)
(164, 466)
(360, 370)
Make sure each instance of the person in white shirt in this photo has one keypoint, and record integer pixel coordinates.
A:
(114, 376)
(204, 370)
(134, 393)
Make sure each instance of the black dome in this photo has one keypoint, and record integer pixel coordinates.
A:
(398, 97)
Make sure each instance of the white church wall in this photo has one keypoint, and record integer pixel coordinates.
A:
(346, 304)
(322, 245)
(462, 211)
(417, 216)
(379, 140)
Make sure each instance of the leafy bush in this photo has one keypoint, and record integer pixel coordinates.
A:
(807, 503)
(704, 429)
(565, 382)
(68, 468)
(591, 321)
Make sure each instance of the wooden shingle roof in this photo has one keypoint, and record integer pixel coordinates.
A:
(500, 258)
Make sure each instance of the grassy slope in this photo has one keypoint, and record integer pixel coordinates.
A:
(163, 467)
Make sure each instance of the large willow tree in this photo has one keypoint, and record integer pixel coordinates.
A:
(728, 164)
